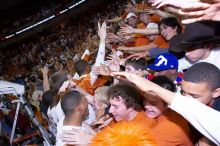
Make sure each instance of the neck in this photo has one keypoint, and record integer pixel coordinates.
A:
(132, 115)
(74, 119)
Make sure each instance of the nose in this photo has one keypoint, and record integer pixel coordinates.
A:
(111, 110)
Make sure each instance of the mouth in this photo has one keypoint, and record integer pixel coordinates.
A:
(149, 112)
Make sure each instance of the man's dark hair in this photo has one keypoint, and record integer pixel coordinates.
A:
(57, 79)
(47, 97)
(137, 64)
(129, 93)
(70, 101)
(80, 66)
(203, 73)
(164, 82)
(171, 22)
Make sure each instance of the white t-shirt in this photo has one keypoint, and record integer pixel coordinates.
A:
(214, 58)
(60, 128)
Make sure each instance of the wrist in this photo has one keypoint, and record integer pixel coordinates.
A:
(102, 40)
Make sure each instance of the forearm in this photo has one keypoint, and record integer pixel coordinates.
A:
(172, 10)
(163, 93)
(115, 19)
(99, 60)
(101, 54)
(146, 31)
(164, 14)
(141, 48)
(46, 84)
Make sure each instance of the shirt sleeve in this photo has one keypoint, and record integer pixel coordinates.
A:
(183, 64)
(203, 118)
(100, 59)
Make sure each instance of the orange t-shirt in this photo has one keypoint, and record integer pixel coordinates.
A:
(84, 83)
(140, 38)
(161, 42)
(172, 130)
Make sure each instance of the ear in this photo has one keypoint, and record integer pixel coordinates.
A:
(131, 109)
(216, 93)
(79, 108)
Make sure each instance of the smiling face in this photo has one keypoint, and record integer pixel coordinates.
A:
(154, 106)
(167, 32)
(119, 110)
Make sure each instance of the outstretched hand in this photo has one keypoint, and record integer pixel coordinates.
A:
(138, 55)
(101, 70)
(76, 137)
(126, 30)
(102, 31)
(139, 81)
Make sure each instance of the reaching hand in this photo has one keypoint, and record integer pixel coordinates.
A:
(88, 128)
(139, 81)
(211, 13)
(112, 37)
(123, 48)
(195, 10)
(127, 29)
(126, 38)
(67, 84)
(101, 70)
(76, 137)
(175, 3)
(102, 31)
(44, 70)
(138, 55)
(104, 121)
(150, 11)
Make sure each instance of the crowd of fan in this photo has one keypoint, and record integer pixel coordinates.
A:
(27, 15)
(73, 80)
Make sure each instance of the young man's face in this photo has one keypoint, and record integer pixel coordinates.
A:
(199, 91)
(154, 106)
(118, 109)
(130, 69)
(167, 32)
(196, 54)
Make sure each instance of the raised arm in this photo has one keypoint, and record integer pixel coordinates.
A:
(101, 52)
(46, 84)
